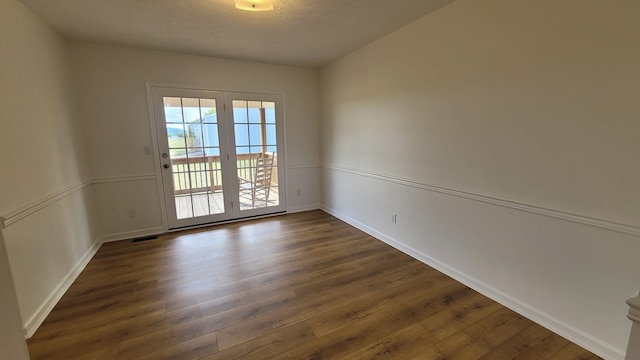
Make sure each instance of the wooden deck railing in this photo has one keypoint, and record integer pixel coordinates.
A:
(203, 173)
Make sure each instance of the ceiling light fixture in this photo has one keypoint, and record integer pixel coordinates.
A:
(254, 5)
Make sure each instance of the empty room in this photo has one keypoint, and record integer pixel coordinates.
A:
(304, 179)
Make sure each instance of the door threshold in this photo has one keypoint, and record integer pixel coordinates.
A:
(230, 221)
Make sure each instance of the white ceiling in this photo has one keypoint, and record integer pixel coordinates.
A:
(298, 32)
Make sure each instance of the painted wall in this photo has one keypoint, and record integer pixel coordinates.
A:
(110, 82)
(44, 194)
(504, 134)
(12, 343)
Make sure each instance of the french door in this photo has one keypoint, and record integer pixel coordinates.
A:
(219, 154)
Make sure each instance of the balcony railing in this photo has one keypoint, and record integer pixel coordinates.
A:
(202, 173)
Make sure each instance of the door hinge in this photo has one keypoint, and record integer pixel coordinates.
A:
(224, 107)
(228, 158)
(232, 204)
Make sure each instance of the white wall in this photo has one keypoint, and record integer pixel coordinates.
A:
(12, 343)
(505, 136)
(74, 127)
(44, 196)
(111, 88)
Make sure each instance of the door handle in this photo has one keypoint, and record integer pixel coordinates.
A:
(166, 166)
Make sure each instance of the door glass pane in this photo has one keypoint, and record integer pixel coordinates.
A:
(255, 134)
(254, 110)
(208, 111)
(270, 112)
(172, 110)
(212, 151)
(241, 134)
(175, 135)
(184, 206)
(240, 111)
(255, 153)
(190, 110)
(271, 134)
(210, 135)
(192, 134)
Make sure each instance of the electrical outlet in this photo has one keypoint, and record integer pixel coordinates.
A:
(394, 219)
(132, 213)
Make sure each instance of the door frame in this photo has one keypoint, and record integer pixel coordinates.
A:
(155, 152)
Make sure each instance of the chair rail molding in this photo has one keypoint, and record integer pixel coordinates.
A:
(558, 214)
(116, 179)
(303, 166)
(22, 212)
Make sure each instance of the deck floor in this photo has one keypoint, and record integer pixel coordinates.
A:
(213, 203)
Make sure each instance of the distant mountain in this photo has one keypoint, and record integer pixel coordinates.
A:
(173, 132)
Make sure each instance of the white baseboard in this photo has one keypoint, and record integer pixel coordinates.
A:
(33, 323)
(572, 334)
(297, 209)
(130, 234)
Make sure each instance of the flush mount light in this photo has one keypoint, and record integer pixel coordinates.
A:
(254, 5)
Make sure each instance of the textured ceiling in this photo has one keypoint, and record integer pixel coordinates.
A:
(298, 32)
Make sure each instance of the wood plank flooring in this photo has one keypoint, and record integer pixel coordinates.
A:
(300, 286)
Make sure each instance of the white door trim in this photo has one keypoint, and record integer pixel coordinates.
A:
(153, 123)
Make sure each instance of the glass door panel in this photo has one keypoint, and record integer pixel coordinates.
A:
(255, 137)
(219, 154)
(190, 146)
(195, 153)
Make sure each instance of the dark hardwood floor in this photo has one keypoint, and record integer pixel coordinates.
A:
(300, 286)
